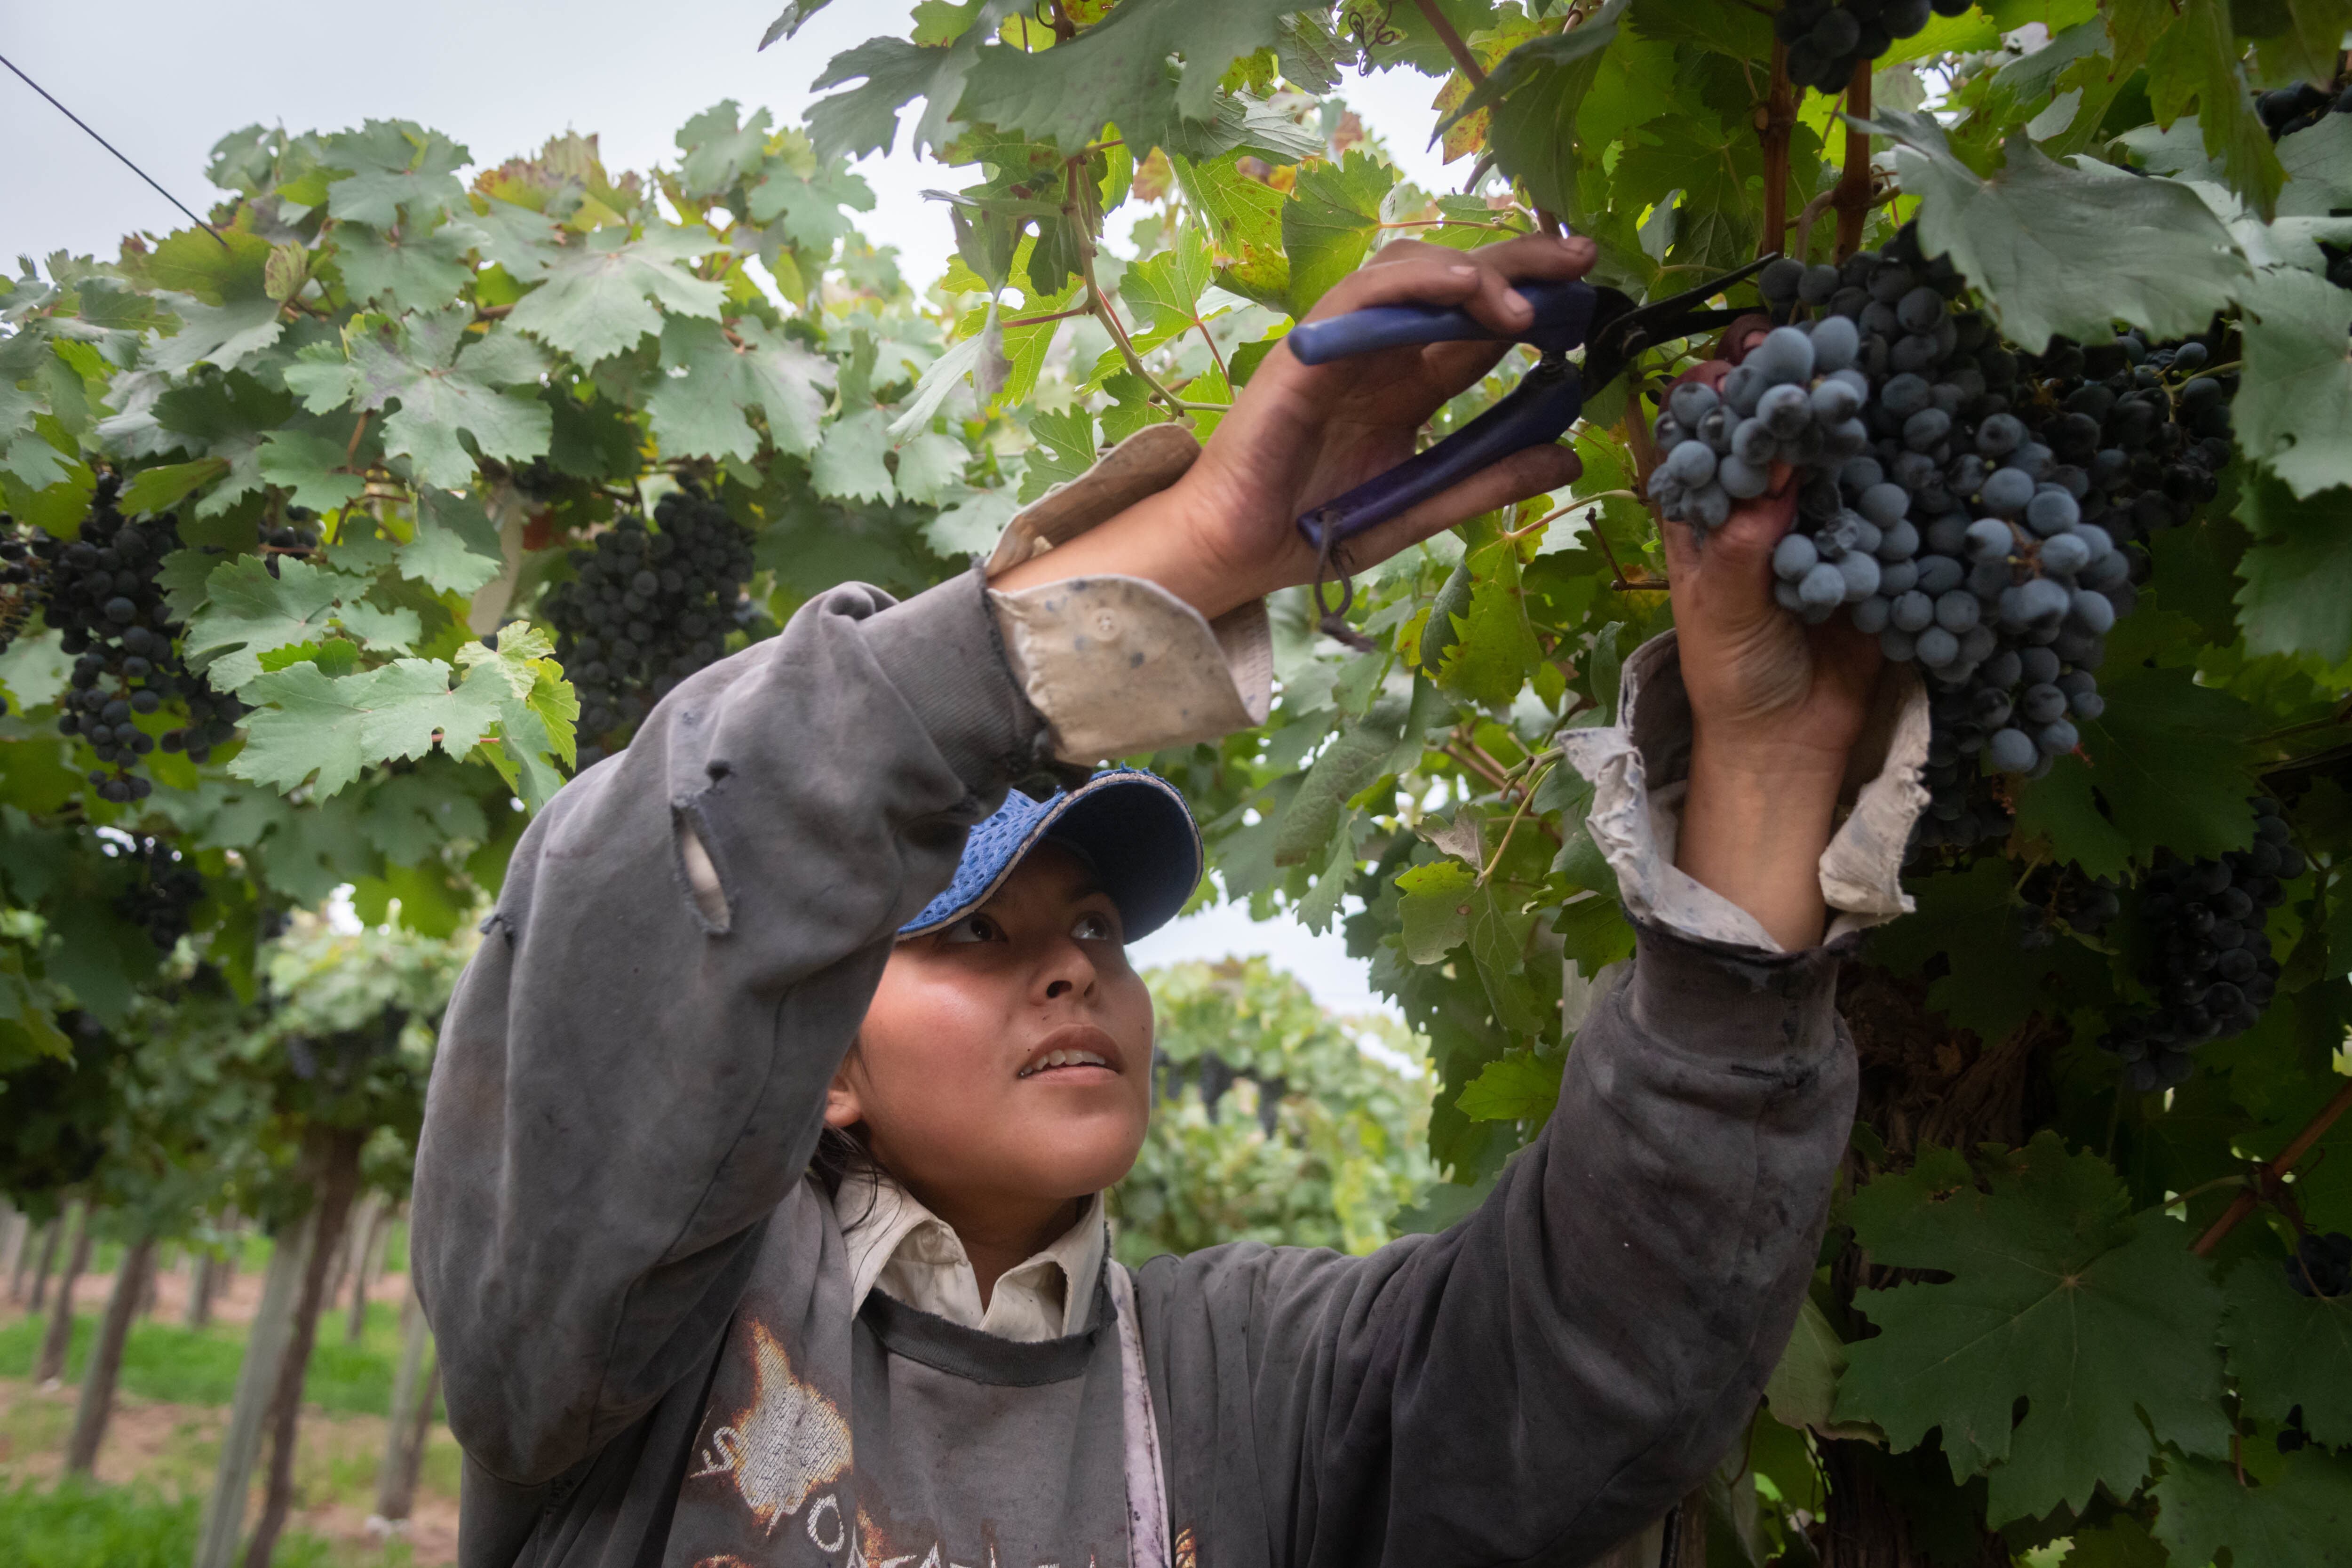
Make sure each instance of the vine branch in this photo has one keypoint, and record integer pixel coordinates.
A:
(1778, 122)
(2272, 1172)
(1851, 196)
(1453, 42)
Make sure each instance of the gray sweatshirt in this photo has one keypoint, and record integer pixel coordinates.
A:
(643, 1304)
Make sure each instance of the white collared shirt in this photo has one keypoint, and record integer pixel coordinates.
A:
(914, 1256)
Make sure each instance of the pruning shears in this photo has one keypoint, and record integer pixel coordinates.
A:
(1607, 325)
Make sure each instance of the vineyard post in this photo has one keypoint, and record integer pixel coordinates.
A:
(95, 1406)
(256, 1380)
(392, 1501)
(50, 1235)
(59, 1338)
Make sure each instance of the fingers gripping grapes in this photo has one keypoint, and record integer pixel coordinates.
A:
(1974, 510)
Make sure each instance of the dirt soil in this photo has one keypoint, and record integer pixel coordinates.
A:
(171, 1448)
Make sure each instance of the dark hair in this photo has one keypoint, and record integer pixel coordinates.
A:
(841, 1154)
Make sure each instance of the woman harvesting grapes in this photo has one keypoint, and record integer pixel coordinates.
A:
(758, 1208)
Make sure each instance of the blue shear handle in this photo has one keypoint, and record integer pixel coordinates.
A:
(1539, 409)
(1563, 315)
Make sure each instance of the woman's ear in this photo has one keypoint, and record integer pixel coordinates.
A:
(843, 1108)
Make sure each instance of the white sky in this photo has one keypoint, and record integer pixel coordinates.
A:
(500, 78)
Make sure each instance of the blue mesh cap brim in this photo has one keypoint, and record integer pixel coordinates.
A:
(1133, 826)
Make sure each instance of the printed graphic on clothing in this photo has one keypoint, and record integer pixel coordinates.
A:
(789, 1442)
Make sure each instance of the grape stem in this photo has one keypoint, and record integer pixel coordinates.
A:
(1780, 123)
(1453, 41)
(1852, 195)
(2272, 1172)
(1527, 795)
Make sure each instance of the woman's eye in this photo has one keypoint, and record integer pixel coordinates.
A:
(972, 928)
(1095, 926)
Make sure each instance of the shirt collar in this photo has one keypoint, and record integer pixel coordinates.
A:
(897, 1243)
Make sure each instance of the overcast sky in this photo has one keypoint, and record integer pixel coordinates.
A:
(164, 81)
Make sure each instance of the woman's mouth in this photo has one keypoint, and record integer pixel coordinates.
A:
(1053, 1061)
(1083, 1052)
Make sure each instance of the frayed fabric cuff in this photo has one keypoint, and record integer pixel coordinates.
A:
(1640, 768)
(1119, 665)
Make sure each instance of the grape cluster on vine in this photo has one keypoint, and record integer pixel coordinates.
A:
(2209, 962)
(103, 597)
(1975, 508)
(644, 609)
(2301, 107)
(1827, 39)
(167, 890)
(2322, 1265)
(2061, 897)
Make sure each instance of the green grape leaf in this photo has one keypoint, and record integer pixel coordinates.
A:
(1244, 227)
(2288, 1349)
(456, 546)
(536, 710)
(1520, 1087)
(398, 169)
(248, 612)
(308, 725)
(2195, 60)
(2060, 1297)
(1346, 768)
(1803, 1389)
(1498, 647)
(311, 469)
(446, 381)
(865, 118)
(2122, 1543)
(970, 525)
(599, 295)
(2307, 45)
(1116, 70)
(1064, 449)
(1167, 286)
(2168, 763)
(1535, 93)
(1329, 222)
(164, 487)
(810, 207)
(2305, 1516)
(931, 468)
(2038, 239)
(222, 335)
(407, 271)
(718, 150)
(791, 20)
(849, 465)
(2295, 403)
(378, 628)
(1436, 909)
(700, 409)
(2296, 595)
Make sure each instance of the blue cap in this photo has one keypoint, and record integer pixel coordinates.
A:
(1132, 827)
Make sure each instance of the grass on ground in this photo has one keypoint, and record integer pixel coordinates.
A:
(198, 1367)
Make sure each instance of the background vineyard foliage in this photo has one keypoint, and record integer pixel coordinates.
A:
(464, 382)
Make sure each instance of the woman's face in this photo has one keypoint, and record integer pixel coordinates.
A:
(1007, 1058)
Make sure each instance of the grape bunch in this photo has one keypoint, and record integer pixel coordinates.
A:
(2059, 897)
(2301, 107)
(103, 596)
(1979, 511)
(2322, 1265)
(168, 887)
(644, 609)
(1827, 39)
(2210, 964)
